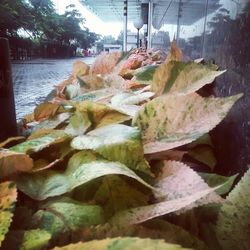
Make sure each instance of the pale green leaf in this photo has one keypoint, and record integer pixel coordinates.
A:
(128, 243)
(66, 215)
(233, 226)
(182, 78)
(96, 95)
(53, 122)
(130, 98)
(34, 240)
(78, 124)
(116, 143)
(170, 121)
(71, 91)
(144, 74)
(37, 144)
(82, 168)
(226, 182)
(8, 197)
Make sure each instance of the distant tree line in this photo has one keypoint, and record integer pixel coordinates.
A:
(36, 24)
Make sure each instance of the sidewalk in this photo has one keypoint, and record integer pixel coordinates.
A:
(33, 80)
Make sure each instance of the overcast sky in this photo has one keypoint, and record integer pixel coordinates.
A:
(93, 22)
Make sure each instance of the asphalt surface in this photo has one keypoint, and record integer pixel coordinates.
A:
(33, 80)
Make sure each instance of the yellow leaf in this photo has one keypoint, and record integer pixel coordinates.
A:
(45, 110)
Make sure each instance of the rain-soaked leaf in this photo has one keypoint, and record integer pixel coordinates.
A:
(45, 110)
(93, 82)
(8, 196)
(82, 168)
(12, 163)
(116, 143)
(115, 194)
(105, 63)
(130, 98)
(233, 225)
(182, 78)
(170, 121)
(37, 144)
(126, 243)
(226, 182)
(66, 215)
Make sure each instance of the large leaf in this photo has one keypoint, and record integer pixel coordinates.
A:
(128, 243)
(130, 98)
(116, 143)
(82, 168)
(8, 196)
(225, 182)
(115, 194)
(12, 163)
(233, 226)
(145, 213)
(170, 121)
(182, 78)
(37, 144)
(177, 180)
(66, 215)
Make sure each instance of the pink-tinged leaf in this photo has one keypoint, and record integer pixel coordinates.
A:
(170, 121)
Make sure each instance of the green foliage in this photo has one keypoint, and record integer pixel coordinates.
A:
(233, 226)
(122, 244)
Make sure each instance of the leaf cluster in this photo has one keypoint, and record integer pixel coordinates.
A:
(104, 163)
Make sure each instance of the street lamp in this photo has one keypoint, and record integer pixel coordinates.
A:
(138, 25)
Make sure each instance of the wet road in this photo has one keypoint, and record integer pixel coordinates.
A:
(33, 80)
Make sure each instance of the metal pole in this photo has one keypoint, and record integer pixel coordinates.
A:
(150, 17)
(204, 31)
(178, 23)
(8, 125)
(125, 25)
(137, 38)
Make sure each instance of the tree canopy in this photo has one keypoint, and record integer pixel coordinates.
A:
(39, 19)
